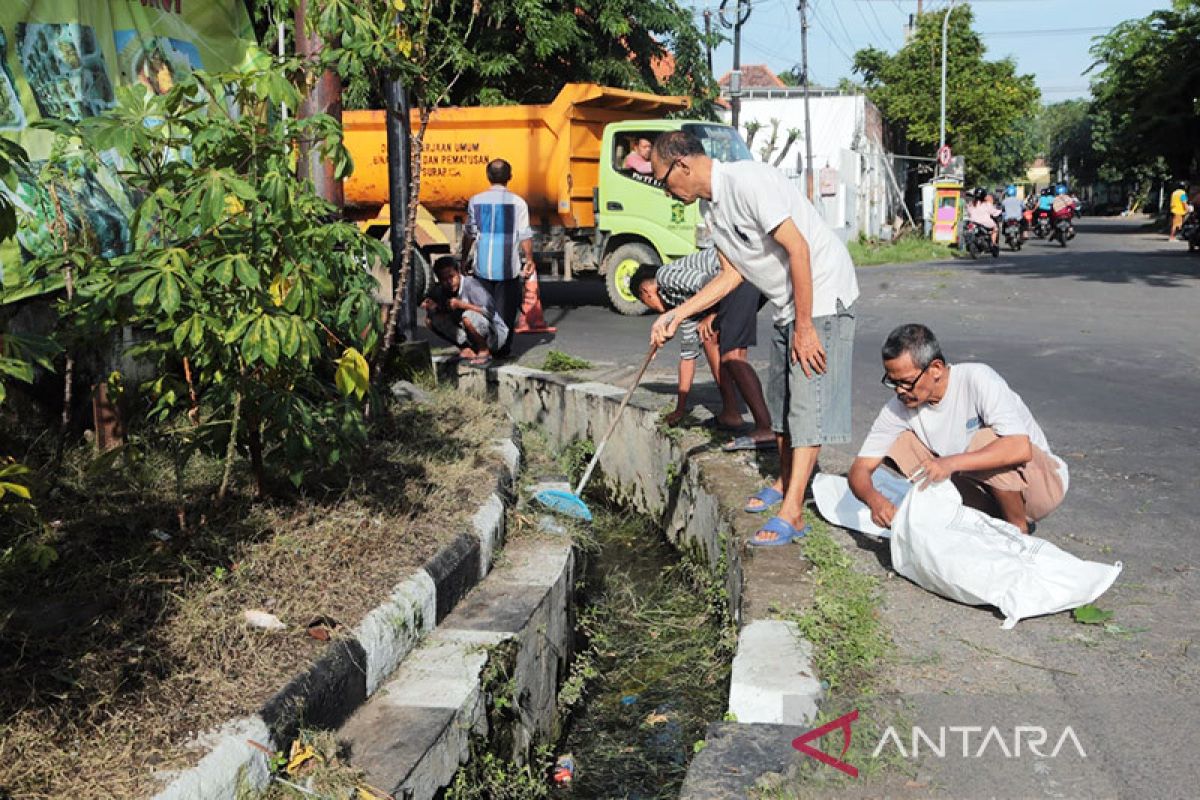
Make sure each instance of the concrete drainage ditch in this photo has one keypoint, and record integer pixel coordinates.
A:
(466, 662)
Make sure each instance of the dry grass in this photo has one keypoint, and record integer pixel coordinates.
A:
(129, 647)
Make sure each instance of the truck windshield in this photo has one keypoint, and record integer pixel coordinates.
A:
(720, 141)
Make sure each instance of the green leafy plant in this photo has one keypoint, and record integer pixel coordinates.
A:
(250, 294)
(1091, 615)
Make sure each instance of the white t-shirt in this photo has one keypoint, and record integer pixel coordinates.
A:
(976, 397)
(749, 200)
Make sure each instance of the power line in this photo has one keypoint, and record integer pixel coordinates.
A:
(878, 25)
(833, 41)
(842, 25)
(1046, 32)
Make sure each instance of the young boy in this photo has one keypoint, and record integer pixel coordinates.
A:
(726, 332)
(461, 311)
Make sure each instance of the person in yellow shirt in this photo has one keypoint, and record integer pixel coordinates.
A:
(1179, 208)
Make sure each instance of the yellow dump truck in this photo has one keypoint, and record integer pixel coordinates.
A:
(589, 213)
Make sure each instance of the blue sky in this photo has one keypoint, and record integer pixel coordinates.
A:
(1048, 38)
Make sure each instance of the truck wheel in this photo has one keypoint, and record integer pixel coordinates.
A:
(619, 267)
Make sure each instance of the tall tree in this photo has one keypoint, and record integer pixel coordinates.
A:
(1147, 92)
(523, 51)
(1064, 136)
(985, 100)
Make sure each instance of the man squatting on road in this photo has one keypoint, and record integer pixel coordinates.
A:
(767, 233)
(963, 423)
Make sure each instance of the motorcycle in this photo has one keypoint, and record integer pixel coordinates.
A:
(1041, 223)
(1062, 229)
(1190, 231)
(1013, 234)
(978, 239)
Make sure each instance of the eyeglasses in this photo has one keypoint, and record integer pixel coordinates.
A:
(907, 386)
(666, 175)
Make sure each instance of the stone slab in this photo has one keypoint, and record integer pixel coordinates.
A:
(736, 756)
(773, 677)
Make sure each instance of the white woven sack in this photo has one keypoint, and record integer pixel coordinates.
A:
(966, 555)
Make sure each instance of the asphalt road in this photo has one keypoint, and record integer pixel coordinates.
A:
(1102, 340)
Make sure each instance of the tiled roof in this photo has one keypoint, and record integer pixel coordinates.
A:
(756, 76)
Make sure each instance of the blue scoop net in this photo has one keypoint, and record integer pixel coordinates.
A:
(564, 502)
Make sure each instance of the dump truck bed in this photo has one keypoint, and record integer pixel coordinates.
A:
(554, 151)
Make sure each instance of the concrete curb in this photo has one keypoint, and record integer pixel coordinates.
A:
(511, 639)
(352, 669)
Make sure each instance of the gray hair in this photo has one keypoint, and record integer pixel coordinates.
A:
(916, 340)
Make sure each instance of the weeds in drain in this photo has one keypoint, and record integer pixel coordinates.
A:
(843, 624)
(487, 776)
(574, 458)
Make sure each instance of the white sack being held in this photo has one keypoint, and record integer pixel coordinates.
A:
(966, 555)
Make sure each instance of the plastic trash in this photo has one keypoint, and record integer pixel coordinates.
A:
(564, 769)
(629, 699)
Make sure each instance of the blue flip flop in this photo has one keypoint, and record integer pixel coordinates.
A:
(786, 533)
(767, 496)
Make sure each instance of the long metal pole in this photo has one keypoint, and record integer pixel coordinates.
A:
(708, 39)
(736, 99)
(808, 161)
(942, 127)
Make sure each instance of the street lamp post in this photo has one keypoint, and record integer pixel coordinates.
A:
(945, 25)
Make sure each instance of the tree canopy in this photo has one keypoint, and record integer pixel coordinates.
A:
(1146, 93)
(985, 100)
(523, 51)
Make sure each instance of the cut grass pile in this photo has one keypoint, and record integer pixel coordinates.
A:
(558, 361)
(907, 249)
(133, 642)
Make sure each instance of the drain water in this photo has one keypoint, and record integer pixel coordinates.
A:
(652, 668)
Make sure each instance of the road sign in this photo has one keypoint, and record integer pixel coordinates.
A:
(944, 155)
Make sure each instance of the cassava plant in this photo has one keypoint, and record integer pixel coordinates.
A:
(255, 306)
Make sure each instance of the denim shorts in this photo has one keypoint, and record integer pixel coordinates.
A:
(813, 410)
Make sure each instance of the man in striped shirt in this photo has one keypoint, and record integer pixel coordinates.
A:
(498, 228)
(725, 333)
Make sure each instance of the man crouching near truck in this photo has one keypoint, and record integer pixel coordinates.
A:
(961, 423)
(459, 310)
(767, 233)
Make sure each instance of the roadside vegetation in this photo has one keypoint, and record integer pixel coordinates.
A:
(907, 249)
(137, 636)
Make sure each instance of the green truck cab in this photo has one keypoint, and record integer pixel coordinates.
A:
(637, 222)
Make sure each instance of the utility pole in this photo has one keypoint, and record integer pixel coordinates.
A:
(808, 162)
(741, 14)
(708, 39)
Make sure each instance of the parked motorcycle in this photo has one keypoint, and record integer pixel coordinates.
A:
(1013, 234)
(1062, 228)
(978, 239)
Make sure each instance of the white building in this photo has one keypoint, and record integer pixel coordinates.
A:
(853, 182)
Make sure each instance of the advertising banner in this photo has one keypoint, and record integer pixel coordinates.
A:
(62, 59)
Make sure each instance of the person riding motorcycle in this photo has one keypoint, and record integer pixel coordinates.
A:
(1063, 208)
(1014, 211)
(1063, 199)
(1012, 206)
(981, 211)
(1041, 213)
